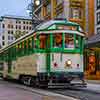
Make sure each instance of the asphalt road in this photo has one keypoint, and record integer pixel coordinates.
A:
(13, 91)
(92, 92)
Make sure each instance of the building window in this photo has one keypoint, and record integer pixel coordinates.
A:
(11, 32)
(11, 26)
(98, 4)
(19, 27)
(23, 27)
(3, 43)
(3, 25)
(27, 27)
(16, 27)
(23, 22)
(26, 22)
(8, 25)
(75, 13)
(98, 18)
(8, 37)
(8, 32)
(98, 30)
(3, 37)
(12, 38)
(30, 28)
(30, 23)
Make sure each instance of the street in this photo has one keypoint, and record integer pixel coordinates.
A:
(49, 43)
(13, 91)
(92, 92)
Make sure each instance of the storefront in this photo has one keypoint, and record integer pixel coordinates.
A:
(92, 58)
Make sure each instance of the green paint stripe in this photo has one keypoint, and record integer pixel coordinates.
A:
(63, 42)
(48, 63)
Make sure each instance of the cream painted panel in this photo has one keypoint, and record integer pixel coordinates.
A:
(61, 63)
(25, 65)
(42, 62)
(55, 59)
(5, 70)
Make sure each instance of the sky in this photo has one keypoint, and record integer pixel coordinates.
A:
(14, 7)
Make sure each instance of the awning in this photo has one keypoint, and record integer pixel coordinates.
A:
(93, 41)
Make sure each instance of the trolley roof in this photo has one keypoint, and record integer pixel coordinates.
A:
(61, 31)
(64, 25)
(52, 24)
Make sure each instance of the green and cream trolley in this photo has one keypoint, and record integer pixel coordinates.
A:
(52, 54)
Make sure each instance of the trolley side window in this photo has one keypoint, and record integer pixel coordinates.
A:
(69, 41)
(18, 46)
(77, 41)
(57, 40)
(30, 45)
(44, 41)
(35, 42)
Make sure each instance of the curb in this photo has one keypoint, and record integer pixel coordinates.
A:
(93, 81)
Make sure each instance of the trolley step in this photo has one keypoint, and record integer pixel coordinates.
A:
(66, 85)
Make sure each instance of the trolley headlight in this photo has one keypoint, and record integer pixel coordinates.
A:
(69, 62)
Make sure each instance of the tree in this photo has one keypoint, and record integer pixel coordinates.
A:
(18, 34)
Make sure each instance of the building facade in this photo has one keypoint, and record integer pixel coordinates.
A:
(92, 51)
(13, 27)
(90, 17)
(97, 16)
(79, 11)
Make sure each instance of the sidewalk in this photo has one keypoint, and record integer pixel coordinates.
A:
(93, 81)
(93, 85)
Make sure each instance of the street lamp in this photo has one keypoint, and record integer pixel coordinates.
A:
(37, 2)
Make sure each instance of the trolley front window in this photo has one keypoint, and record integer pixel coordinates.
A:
(57, 40)
(69, 41)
